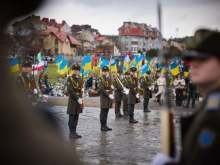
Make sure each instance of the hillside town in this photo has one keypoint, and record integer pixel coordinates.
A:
(34, 34)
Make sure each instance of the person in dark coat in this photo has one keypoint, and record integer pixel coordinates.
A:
(146, 84)
(201, 131)
(118, 94)
(73, 108)
(24, 85)
(105, 98)
(125, 97)
(132, 85)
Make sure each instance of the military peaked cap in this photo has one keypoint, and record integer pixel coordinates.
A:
(127, 73)
(120, 71)
(76, 67)
(148, 72)
(205, 43)
(133, 69)
(26, 63)
(105, 68)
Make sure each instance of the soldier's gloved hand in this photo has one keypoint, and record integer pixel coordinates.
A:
(161, 159)
(112, 86)
(149, 88)
(124, 90)
(35, 91)
(111, 97)
(137, 95)
(80, 101)
(83, 90)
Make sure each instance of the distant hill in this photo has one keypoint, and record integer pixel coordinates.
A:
(114, 38)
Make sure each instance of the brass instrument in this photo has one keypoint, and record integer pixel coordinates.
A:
(125, 90)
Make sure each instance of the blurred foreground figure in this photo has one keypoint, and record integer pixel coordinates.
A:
(201, 131)
(27, 135)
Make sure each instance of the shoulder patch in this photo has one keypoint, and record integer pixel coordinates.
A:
(129, 79)
(18, 81)
(206, 138)
(213, 102)
(68, 83)
(99, 80)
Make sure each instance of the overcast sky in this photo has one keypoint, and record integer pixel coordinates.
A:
(108, 15)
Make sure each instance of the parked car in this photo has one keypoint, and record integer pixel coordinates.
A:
(9, 57)
(48, 59)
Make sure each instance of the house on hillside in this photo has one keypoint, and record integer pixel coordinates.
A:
(54, 42)
(36, 23)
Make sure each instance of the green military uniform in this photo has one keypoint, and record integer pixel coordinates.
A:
(146, 84)
(201, 131)
(105, 101)
(132, 85)
(125, 97)
(24, 85)
(118, 95)
(73, 107)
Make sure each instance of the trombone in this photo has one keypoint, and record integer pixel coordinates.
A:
(125, 90)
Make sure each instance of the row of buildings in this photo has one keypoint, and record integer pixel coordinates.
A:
(36, 34)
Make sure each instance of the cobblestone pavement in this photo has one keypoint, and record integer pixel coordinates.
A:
(130, 144)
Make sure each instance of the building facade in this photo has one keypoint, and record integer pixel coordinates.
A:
(138, 36)
(54, 42)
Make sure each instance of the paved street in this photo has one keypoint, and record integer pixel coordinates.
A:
(126, 144)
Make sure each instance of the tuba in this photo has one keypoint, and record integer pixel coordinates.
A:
(125, 90)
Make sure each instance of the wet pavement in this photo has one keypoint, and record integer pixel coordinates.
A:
(130, 144)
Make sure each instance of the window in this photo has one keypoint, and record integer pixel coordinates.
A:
(56, 45)
(134, 42)
(127, 37)
(40, 40)
(127, 30)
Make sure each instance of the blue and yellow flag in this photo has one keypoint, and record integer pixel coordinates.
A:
(139, 61)
(63, 67)
(174, 69)
(145, 68)
(87, 63)
(59, 60)
(14, 67)
(113, 65)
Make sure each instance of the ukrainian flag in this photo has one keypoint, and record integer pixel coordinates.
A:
(14, 67)
(63, 67)
(174, 69)
(86, 73)
(126, 63)
(113, 64)
(139, 61)
(87, 63)
(145, 68)
(59, 60)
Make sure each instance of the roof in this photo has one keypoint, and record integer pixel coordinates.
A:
(61, 35)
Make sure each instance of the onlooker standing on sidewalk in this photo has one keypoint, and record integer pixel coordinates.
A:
(162, 86)
(192, 88)
(179, 84)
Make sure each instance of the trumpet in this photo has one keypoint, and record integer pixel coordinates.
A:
(125, 90)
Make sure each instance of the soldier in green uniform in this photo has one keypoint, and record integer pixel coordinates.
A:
(118, 95)
(125, 97)
(105, 98)
(146, 84)
(73, 107)
(24, 85)
(201, 131)
(132, 85)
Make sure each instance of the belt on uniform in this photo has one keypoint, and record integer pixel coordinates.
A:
(134, 88)
(29, 95)
(107, 90)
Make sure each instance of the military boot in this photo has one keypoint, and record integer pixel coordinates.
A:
(132, 120)
(103, 126)
(109, 129)
(73, 134)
